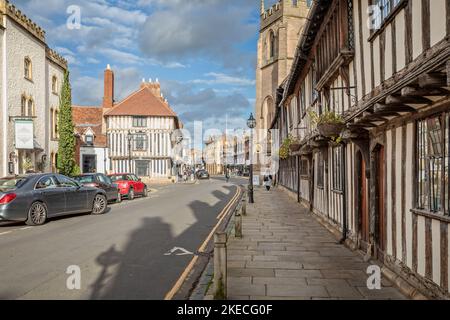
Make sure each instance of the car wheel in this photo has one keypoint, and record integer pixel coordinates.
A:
(37, 215)
(145, 194)
(100, 204)
(131, 194)
(119, 198)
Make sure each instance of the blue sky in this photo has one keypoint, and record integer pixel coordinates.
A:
(202, 51)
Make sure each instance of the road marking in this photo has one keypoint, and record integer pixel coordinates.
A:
(25, 228)
(6, 232)
(182, 278)
(227, 207)
(182, 253)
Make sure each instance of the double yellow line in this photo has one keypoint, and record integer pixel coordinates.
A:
(184, 275)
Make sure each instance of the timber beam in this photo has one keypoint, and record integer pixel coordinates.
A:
(433, 80)
(379, 108)
(400, 99)
(423, 92)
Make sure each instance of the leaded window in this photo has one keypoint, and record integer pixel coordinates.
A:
(433, 163)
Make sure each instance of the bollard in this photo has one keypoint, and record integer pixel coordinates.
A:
(220, 266)
(238, 224)
(244, 206)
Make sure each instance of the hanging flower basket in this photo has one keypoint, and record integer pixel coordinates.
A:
(330, 130)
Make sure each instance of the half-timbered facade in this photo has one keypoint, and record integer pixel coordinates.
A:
(140, 133)
(383, 66)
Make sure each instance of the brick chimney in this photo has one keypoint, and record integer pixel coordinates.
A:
(108, 97)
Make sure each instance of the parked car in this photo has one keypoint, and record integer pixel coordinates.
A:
(202, 174)
(99, 180)
(129, 185)
(35, 198)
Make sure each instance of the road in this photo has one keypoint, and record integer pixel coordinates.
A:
(121, 254)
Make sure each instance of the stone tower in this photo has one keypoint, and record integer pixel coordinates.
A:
(280, 29)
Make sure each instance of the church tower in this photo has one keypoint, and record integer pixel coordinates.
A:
(280, 29)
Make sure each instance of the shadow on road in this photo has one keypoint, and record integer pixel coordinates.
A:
(142, 270)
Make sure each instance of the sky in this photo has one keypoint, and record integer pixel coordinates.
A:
(203, 52)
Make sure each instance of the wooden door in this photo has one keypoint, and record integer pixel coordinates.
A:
(364, 204)
(381, 179)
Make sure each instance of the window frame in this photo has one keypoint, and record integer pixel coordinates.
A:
(320, 170)
(144, 142)
(423, 185)
(28, 68)
(139, 122)
(337, 183)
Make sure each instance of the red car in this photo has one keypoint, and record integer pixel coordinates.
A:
(129, 185)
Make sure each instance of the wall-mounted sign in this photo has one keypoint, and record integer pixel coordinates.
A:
(24, 133)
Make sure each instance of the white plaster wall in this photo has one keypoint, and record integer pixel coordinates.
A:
(417, 28)
(409, 191)
(436, 250)
(3, 105)
(52, 102)
(389, 188)
(21, 44)
(421, 245)
(438, 20)
(101, 153)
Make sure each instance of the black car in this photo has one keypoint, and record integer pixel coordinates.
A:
(202, 174)
(99, 180)
(35, 198)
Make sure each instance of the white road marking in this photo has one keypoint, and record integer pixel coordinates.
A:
(182, 253)
(6, 232)
(25, 228)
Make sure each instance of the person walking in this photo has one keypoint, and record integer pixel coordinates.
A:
(268, 182)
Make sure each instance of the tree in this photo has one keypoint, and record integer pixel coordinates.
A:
(66, 146)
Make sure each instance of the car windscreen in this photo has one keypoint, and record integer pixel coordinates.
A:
(7, 184)
(85, 179)
(118, 177)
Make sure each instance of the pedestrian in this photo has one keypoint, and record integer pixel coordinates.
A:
(227, 175)
(268, 182)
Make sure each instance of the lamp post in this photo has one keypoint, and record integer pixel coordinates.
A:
(251, 123)
(130, 139)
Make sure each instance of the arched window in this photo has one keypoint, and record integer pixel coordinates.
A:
(30, 108)
(56, 128)
(55, 85)
(272, 45)
(23, 105)
(28, 68)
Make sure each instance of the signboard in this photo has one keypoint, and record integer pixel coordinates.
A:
(24, 133)
(256, 180)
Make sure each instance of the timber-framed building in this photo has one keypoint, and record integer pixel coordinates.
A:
(384, 185)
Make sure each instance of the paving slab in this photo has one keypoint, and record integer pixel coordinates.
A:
(285, 253)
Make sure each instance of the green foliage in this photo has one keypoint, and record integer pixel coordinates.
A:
(66, 148)
(326, 117)
(284, 151)
(76, 171)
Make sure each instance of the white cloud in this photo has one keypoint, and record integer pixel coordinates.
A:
(220, 78)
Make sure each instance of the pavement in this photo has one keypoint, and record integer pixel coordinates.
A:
(137, 250)
(285, 253)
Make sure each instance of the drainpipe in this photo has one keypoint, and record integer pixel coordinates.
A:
(344, 194)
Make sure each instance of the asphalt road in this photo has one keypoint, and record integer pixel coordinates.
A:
(121, 255)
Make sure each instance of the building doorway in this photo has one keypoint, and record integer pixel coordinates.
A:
(362, 200)
(89, 163)
(142, 168)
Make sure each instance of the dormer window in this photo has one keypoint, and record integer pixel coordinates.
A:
(89, 139)
(28, 68)
(55, 85)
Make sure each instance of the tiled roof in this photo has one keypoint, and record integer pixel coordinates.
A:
(142, 103)
(89, 117)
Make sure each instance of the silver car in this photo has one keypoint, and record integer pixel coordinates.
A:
(37, 197)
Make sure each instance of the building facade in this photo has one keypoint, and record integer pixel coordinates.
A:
(382, 181)
(280, 27)
(91, 149)
(140, 131)
(30, 84)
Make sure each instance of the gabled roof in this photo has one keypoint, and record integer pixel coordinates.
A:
(142, 103)
(85, 118)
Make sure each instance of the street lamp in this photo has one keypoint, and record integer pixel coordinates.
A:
(130, 140)
(251, 123)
